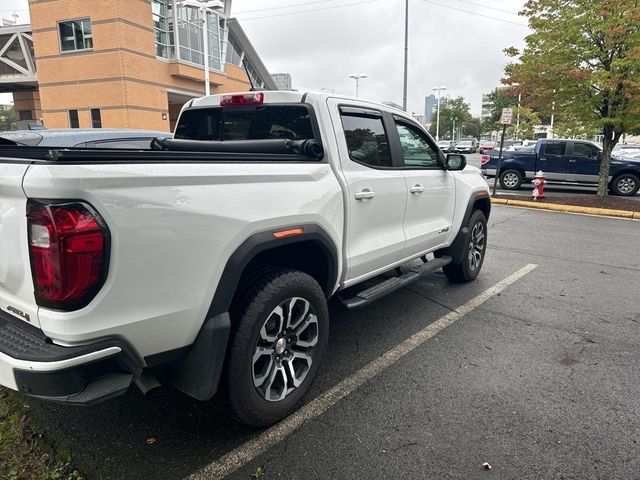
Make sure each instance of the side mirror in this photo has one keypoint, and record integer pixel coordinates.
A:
(456, 162)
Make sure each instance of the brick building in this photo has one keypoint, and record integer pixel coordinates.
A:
(123, 64)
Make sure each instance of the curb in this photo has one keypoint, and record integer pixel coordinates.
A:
(606, 212)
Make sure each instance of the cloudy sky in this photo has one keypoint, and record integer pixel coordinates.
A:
(452, 43)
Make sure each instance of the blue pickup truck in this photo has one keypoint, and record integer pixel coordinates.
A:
(571, 162)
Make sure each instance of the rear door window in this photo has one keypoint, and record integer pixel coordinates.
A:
(585, 150)
(367, 140)
(264, 122)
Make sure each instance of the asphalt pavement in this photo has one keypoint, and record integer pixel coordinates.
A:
(550, 190)
(540, 381)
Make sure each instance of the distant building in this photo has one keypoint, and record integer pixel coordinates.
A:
(430, 103)
(487, 106)
(431, 106)
(6, 106)
(282, 80)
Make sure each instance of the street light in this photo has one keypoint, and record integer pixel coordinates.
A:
(205, 7)
(357, 77)
(439, 89)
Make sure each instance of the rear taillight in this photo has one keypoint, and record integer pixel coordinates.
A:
(485, 159)
(242, 99)
(69, 247)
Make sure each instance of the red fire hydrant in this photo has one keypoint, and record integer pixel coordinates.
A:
(538, 185)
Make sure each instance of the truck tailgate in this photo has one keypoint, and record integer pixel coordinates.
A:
(16, 285)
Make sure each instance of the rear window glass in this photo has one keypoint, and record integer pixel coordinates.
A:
(253, 123)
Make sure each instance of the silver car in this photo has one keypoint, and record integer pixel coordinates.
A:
(83, 138)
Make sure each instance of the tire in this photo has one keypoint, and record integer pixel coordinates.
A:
(266, 359)
(625, 185)
(474, 251)
(511, 179)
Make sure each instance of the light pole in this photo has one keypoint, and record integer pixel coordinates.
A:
(406, 53)
(453, 134)
(518, 117)
(205, 7)
(553, 114)
(439, 89)
(357, 77)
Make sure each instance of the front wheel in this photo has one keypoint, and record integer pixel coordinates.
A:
(474, 251)
(626, 185)
(279, 341)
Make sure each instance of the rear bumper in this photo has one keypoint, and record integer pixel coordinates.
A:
(33, 365)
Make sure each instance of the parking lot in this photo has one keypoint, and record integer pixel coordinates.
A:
(540, 380)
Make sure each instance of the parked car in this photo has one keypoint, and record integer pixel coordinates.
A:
(82, 138)
(446, 146)
(487, 145)
(563, 161)
(465, 146)
(622, 147)
(218, 249)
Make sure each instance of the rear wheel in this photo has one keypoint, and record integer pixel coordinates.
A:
(626, 185)
(511, 179)
(474, 252)
(279, 341)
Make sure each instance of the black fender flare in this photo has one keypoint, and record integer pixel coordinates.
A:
(261, 242)
(210, 347)
(456, 249)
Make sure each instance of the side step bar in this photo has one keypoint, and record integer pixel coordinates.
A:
(365, 297)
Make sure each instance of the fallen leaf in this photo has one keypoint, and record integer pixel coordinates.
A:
(151, 441)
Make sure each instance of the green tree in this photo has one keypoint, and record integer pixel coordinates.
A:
(583, 58)
(8, 120)
(456, 109)
(472, 128)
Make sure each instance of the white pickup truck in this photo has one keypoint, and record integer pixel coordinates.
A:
(208, 261)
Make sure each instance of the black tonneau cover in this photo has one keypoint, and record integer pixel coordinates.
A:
(171, 150)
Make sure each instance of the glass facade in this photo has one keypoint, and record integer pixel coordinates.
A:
(253, 74)
(179, 33)
(234, 55)
(163, 28)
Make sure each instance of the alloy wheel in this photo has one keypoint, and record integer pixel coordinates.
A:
(476, 246)
(626, 185)
(283, 353)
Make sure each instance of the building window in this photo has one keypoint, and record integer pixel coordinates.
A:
(25, 115)
(234, 53)
(75, 35)
(256, 81)
(74, 122)
(96, 118)
(190, 42)
(163, 28)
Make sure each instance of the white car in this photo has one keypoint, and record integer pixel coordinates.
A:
(220, 249)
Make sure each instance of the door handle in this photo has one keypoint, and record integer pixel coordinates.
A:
(416, 189)
(365, 194)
